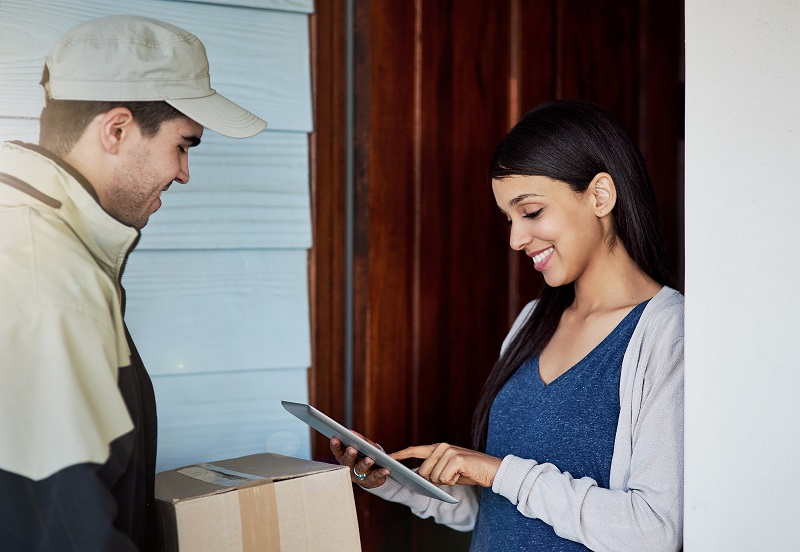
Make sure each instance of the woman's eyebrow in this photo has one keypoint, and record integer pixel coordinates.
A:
(521, 197)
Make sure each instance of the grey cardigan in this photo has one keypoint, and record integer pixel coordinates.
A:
(643, 508)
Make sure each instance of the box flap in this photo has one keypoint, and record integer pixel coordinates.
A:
(225, 475)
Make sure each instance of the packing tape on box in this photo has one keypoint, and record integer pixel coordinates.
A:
(217, 475)
(260, 526)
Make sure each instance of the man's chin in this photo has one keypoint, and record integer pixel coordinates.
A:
(138, 223)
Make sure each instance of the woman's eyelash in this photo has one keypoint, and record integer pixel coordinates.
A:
(532, 216)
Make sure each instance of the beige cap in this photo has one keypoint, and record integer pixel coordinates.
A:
(128, 58)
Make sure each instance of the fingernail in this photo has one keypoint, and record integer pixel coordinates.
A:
(367, 462)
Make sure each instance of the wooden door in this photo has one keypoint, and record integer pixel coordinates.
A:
(434, 86)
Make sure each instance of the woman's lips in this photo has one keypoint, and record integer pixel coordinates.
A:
(540, 259)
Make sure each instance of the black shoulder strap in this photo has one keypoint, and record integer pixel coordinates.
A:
(24, 187)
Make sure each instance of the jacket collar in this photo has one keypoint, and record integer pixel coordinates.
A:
(66, 167)
(108, 239)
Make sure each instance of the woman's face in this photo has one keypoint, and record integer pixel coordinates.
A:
(560, 230)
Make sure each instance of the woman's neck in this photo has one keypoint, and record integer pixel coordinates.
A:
(614, 281)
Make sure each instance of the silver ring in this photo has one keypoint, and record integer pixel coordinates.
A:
(359, 476)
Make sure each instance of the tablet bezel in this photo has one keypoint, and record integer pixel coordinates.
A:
(400, 473)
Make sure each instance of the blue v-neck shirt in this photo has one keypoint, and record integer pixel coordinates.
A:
(570, 423)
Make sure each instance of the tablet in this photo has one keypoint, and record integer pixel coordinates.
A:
(399, 472)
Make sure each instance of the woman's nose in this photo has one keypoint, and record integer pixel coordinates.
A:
(518, 239)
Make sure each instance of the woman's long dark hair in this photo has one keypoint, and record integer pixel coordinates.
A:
(572, 141)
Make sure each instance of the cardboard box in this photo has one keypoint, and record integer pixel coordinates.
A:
(257, 503)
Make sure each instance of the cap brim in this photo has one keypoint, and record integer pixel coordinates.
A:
(221, 115)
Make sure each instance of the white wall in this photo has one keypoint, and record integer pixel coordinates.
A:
(742, 275)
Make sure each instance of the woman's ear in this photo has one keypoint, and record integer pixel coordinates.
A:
(603, 193)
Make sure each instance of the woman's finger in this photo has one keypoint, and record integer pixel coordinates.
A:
(423, 451)
(361, 468)
(367, 474)
(375, 478)
(435, 475)
(336, 448)
(433, 459)
(349, 457)
(346, 456)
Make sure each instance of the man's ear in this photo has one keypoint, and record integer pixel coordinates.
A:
(603, 193)
(116, 126)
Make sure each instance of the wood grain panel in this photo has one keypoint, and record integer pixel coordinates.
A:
(460, 257)
(204, 417)
(384, 38)
(437, 84)
(461, 308)
(327, 257)
(430, 246)
(384, 241)
(250, 193)
(661, 116)
(218, 311)
(598, 55)
(538, 82)
(258, 58)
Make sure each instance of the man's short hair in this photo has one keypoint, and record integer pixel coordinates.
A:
(63, 122)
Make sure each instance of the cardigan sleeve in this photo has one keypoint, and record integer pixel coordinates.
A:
(460, 517)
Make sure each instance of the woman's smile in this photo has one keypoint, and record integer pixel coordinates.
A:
(540, 259)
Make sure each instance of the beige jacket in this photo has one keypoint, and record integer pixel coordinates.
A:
(60, 260)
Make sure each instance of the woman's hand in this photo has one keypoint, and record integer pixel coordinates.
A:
(450, 465)
(348, 456)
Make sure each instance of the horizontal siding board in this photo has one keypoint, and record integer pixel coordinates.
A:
(219, 311)
(26, 130)
(206, 417)
(259, 58)
(301, 6)
(242, 194)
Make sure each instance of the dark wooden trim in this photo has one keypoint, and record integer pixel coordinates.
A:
(327, 256)
(661, 115)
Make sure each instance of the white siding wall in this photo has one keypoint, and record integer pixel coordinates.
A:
(217, 289)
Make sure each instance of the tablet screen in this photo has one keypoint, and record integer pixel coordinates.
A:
(399, 472)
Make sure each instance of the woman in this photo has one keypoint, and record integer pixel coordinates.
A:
(578, 436)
